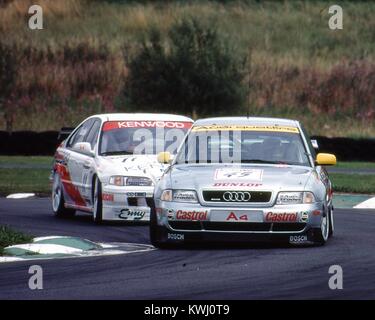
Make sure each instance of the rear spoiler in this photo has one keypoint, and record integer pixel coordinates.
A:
(64, 133)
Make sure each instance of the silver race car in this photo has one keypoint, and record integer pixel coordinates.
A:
(108, 165)
(244, 179)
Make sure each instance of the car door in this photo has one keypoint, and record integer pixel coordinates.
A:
(75, 165)
(321, 171)
(88, 163)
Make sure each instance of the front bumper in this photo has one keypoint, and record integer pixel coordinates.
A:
(183, 222)
(126, 203)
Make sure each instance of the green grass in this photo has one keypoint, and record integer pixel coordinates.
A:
(29, 160)
(10, 237)
(355, 165)
(353, 183)
(286, 31)
(24, 180)
(37, 180)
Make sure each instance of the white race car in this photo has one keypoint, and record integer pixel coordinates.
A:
(108, 165)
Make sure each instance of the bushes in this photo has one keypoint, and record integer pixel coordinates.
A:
(8, 70)
(346, 89)
(74, 79)
(10, 237)
(194, 73)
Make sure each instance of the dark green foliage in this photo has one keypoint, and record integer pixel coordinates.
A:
(7, 82)
(195, 72)
(10, 237)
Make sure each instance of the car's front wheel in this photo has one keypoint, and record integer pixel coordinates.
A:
(153, 228)
(98, 202)
(58, 202)
(154, 231)
(321, 234)
(331, 223)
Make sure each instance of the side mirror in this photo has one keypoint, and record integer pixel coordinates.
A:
(315, 144)
(84, 147)
(165, 157)
(325, 159)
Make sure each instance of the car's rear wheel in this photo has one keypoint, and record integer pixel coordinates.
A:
(321, 234)
(58, 202)
(98, 202)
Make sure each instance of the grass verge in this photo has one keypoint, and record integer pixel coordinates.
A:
(36, 180)
(23, 160)
(24, 180)
(353, 183)
(9, 237)
(356, 165)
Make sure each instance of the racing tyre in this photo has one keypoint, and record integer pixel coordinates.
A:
(98, 202)
(321, 234)
(331, 223)
(153, 228)
(58, 202)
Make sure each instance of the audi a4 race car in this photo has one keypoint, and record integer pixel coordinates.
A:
(244, 179)
(108, 165)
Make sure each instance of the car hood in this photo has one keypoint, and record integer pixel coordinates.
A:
(133, 165)
(240, 177)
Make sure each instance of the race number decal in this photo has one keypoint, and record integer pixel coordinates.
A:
(239, 174)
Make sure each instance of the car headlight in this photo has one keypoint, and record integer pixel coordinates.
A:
(130, 181)
(179, 196)
(295, 198)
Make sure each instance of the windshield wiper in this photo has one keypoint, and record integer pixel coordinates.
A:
(113, 153)
(262, 161)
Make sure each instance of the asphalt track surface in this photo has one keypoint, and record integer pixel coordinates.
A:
(261, 272)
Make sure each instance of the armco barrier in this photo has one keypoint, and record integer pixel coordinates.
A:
(45, 143)
(28, 143)
(348, 149)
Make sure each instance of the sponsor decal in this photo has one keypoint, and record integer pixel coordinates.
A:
(176, 236)
(131, 214)
(233, 216)
(191, 215)
(281, 217)
(170, 213)
(238, 174)
(236, 184)
(298, 239)
(107, 197)
(246, 128)
(237, 196)
(304, 216)
(136, 194)
(112, 125)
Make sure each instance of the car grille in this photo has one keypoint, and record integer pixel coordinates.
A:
(243, 226)
(133, 202)
(233, 196)
(185, 225)
(234, 226)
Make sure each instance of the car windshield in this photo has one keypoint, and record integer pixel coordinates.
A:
(244, 144)
(141, 137)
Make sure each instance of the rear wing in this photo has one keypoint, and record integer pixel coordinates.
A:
(64, 133)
